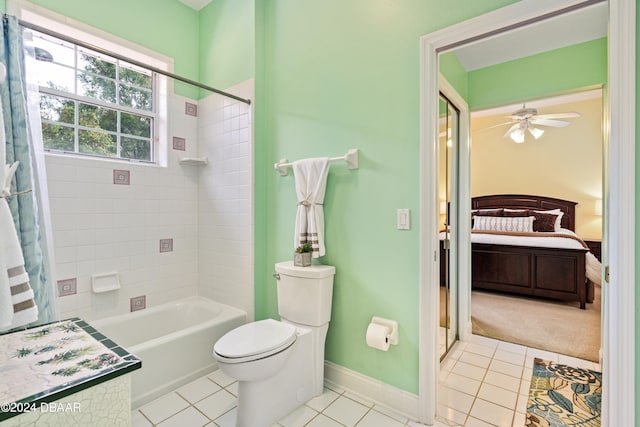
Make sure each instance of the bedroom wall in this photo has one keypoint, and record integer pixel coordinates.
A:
(565, 162)
(557, 71)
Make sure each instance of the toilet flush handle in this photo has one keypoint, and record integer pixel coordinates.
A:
(276, 275)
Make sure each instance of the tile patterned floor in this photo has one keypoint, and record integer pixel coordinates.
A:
(483, 382)
(211, 401)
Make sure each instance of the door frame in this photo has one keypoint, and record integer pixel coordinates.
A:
(618, 346)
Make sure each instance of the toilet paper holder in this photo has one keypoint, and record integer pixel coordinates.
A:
(392, 338)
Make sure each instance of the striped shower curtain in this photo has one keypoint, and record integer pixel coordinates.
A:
(28, 209)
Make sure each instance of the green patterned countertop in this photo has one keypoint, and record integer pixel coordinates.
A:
(43, 364)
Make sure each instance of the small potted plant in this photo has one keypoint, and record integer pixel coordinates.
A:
(302, 255)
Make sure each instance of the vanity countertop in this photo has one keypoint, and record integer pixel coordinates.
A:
(43, 364)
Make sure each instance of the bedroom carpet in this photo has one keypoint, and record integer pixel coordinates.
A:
(560, 327)
(561, 395)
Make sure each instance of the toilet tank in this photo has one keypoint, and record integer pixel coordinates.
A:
(304, 293)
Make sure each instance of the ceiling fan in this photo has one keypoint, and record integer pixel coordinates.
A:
(527, 119)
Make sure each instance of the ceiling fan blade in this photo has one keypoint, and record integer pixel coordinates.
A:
(498, 125)
(547, 122)
(567, 115)
(511, 129)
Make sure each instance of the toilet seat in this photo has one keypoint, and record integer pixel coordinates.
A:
(254, 341)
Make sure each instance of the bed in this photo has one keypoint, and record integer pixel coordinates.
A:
(539, 267)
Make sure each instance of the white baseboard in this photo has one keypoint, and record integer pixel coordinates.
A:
(400, 401)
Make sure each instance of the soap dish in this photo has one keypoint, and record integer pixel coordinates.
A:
(194, 161)
(105, 282)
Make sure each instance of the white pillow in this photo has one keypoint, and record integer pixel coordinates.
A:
(504, 223)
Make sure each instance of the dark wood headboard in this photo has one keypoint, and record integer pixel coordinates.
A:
(526, 201)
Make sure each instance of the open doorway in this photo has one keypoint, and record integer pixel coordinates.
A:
(618, 348)
(557, 155)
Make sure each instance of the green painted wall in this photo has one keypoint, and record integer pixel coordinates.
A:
(227, 40)
(557, 71)
(637, 230)
(329, 76)
(453, 70)
(166, 26)
(336, 75)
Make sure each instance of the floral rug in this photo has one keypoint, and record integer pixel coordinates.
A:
(562, 395)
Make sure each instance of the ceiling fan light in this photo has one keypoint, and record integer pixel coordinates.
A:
(536, 132)
(517, 135)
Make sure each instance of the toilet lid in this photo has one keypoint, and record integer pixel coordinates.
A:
(262, 338)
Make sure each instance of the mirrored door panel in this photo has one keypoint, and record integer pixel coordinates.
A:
(447, 190)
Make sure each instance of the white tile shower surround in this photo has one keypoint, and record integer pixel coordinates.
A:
(483, 382)
(100, 227)
(225, 199)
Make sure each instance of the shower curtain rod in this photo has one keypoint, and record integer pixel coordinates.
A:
(129, 60)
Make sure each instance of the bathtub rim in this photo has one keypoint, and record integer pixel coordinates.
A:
(226, 313)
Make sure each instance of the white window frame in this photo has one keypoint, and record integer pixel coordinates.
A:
(162, 85)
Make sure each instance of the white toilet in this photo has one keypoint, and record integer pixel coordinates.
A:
(279, 365)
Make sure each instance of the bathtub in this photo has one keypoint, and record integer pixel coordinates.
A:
(174, 341)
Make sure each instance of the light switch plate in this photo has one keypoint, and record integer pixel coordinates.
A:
(404, 219)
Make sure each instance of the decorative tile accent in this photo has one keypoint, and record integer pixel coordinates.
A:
(67, 287)
(121, 177)
(138, 303)
(166, 245)
(179, 143)
(191, 109)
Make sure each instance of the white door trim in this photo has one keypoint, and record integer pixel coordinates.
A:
(619, 320)
(619, 305)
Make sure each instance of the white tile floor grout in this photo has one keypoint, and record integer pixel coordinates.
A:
(483, 382)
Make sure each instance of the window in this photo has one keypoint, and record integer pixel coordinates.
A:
(93, 104)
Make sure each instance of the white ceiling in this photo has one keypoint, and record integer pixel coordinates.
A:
(588, 23)
(195, 4)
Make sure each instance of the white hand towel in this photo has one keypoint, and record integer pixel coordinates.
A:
(6, 304)
(17, 306)
(311, 182)
(14, 279)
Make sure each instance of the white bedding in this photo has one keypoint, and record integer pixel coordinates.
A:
(593, 266)
(558, 241)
